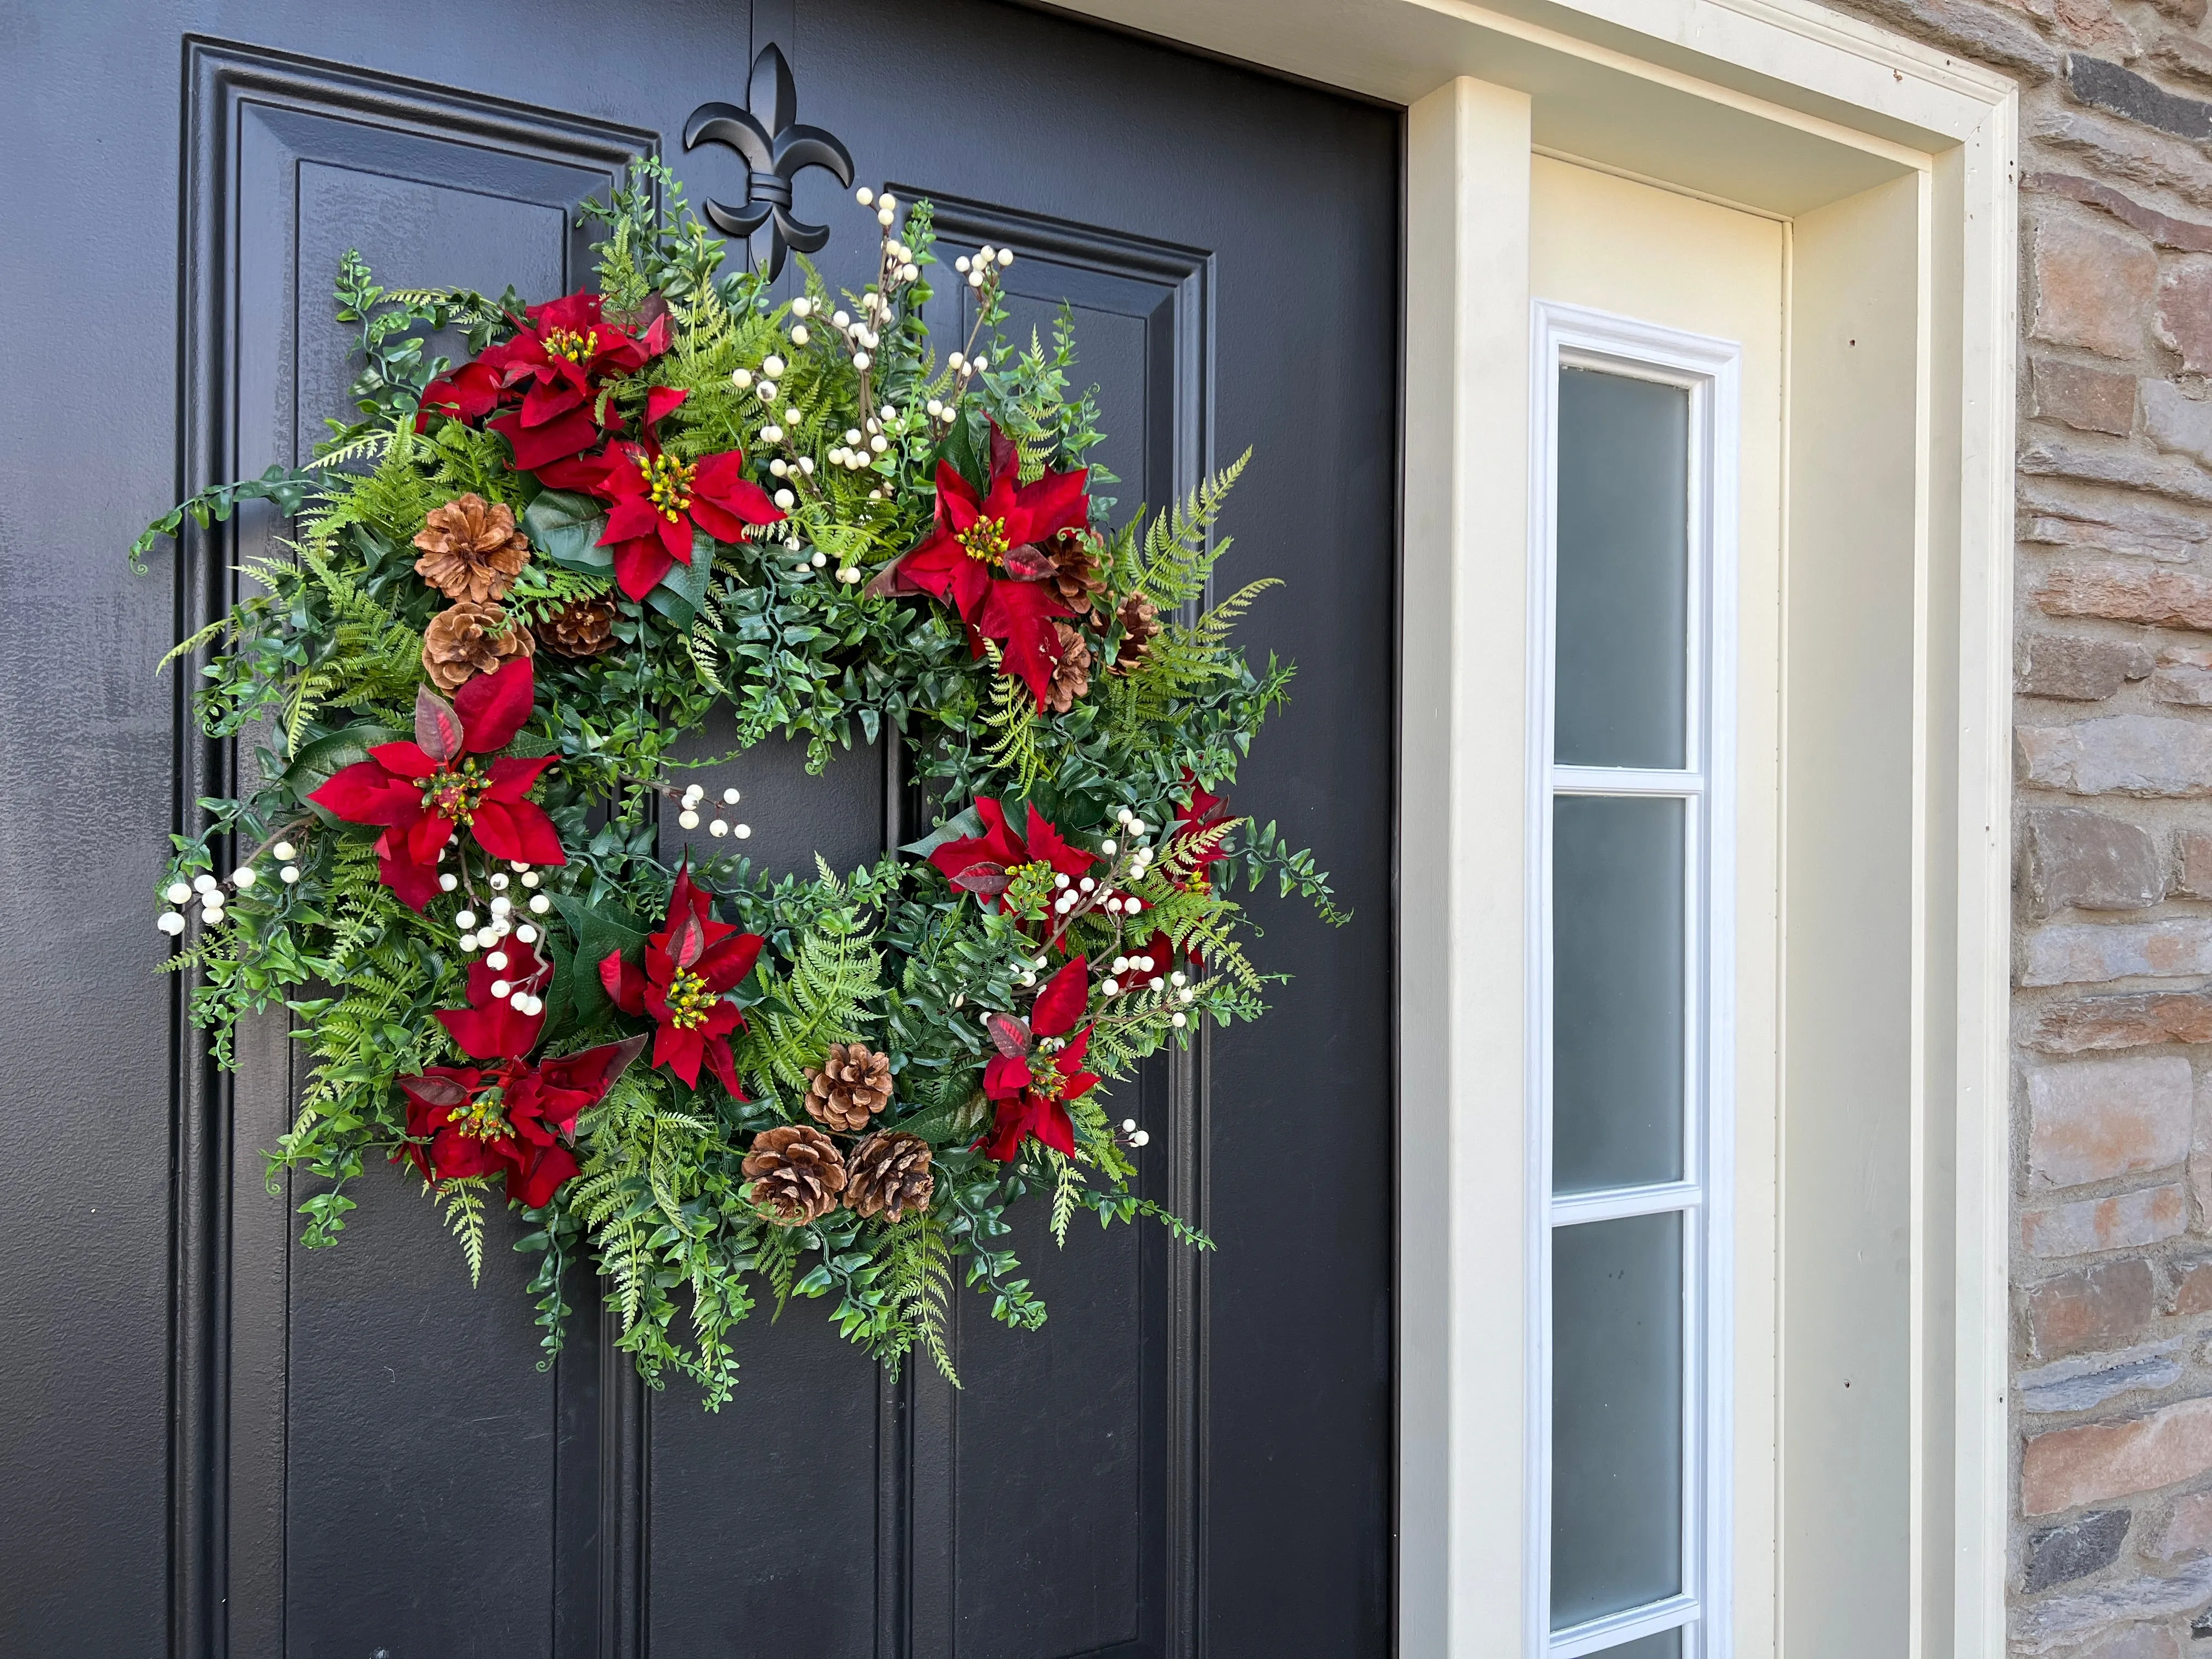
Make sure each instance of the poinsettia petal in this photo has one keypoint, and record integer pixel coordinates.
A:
(624, 984)
(1006, 1075)
(1004, 1137)
(1020, 614)
(957, 504)
(492, 1031)
(493, 707)
(403, 759)
(578, 313)
(590, 1072)
(675, 535)
(1052, 1125)
(455, 1157)
(367, 792)
(584, 473)
(1047, 843)
(640, 564)
(1055, 503)
(630, 517)
(971, 588)
(511, 775)
(727, 961)
(549, 402)
(518, 830)
(532, 1180)
(662, 401)
(538, 446)
(716, 1048)
(680, 1051)
(1059, 1006)
(414, 884)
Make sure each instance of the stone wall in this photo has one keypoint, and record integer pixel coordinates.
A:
(2113, 1256)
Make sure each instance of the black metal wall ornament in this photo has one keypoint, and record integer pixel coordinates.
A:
(776, 149)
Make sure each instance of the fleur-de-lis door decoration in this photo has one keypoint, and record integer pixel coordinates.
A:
(775, 148)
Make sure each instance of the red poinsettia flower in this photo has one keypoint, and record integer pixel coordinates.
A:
(557, 362)
(985, 558)
(984, 865)
(654, 501)
(422, 791)
(509, 1117)
(1032, 1097)
(689, 965)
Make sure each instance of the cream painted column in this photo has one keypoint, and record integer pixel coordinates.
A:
(1464, 779)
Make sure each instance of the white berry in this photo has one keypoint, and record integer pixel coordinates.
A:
(465, 920)
(744, 831)
(687, 818)
(496, 959)
(178, 893)
(500, 987)
(171, 922)
(285, 851)
(718, 827)
(447, 882)
(541, 904)
(289, 874)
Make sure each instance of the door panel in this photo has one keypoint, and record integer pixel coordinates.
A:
(363, 1454)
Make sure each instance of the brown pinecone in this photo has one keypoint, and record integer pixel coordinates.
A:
(796, 1171)
(850, 1086)
(891, 1173)
(466, 640)
(1071, 669)
(582, 628)
(471, 549)
(1141, 622)
(1075, 574)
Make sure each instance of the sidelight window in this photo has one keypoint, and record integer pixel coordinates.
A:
(1633, 529)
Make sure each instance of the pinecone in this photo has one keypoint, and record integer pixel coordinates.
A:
(466, 640)
(848, 1087)
(1140, 620)
(471, 549)
(891, 1173)
(1075, 574)
(1071, 669)
(582, 628)
(796, 1171)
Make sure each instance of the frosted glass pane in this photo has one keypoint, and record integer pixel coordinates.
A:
(1623, 612)
(1616, 1415)
(1667, 1645)
(1617, 990)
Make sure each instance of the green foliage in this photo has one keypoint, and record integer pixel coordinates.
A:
(320, 661)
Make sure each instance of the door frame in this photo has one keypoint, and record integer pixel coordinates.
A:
(1895, 163)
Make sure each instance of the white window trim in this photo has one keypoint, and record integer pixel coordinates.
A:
(1709, 370)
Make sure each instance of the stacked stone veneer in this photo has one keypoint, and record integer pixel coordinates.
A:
(2113, 1252)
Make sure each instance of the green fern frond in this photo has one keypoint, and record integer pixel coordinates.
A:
(1179, 554)
(461, 1207)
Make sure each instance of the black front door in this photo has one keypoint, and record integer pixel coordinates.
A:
(215, 1442)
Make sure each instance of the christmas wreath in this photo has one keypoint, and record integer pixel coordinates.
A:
(517, 585)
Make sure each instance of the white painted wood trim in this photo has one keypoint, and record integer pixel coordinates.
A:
(1461, 1123)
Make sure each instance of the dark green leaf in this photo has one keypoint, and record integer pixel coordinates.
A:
(566, 528)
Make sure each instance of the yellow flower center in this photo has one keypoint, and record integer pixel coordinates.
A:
(572, 345)
(483, 1117)
(667, 484)
(986, 539)
(689, 1001)
(453, 794)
